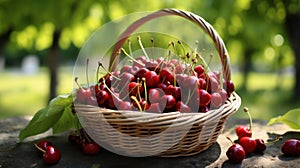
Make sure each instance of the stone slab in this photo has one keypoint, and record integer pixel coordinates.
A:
(22, 154)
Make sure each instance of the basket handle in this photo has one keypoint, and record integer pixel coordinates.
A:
(218, 42)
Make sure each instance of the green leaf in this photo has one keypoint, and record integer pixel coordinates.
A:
(65, 122)
(46, 117)
(291, 118)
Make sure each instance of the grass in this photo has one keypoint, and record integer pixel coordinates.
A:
(22, 94)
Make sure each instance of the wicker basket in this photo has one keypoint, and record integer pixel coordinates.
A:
(134, 133)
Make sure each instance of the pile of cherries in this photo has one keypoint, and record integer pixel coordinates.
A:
(158, 85)
(50, 154)
(247, 145)
(80, 139)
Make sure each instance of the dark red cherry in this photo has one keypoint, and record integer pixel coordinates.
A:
(248, 144)
(199, 69)
(260, 146)
(154, 108)
(168, 102)
(236, 153)
(291, 147)
(204, 97)
(102, 97)
(90, 148)
(243, 131)
(216, 100)
(43, 145)
(152, 79)
(183, 108)
(51, 155)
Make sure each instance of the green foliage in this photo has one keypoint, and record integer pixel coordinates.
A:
(291, 118)
(57, 115)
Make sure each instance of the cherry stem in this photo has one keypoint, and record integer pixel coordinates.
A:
(275, 140)
(76, 81)
(86, 72)
(182, 47)
(142, 47)
(101, 65)
(230, 140)
(131, 58)
(39, 148)
(137, 102)
(118, 53)
(129, 47)
(249, 115)
(145, 88)
(152, 42)
(111, 92)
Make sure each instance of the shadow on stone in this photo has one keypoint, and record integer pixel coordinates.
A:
(73, 157)
(227, 164)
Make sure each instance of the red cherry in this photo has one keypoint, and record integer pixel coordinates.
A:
(154, 108)
(204, 97)
(213, 84)
(151, 64)
(72, 138)
(190, 82)
(91, 148)
(174, 91)
(141, 73)
(135, 88)
(124, 105)
(248, 144)
(230, 87)
(168, 102)
(166, 75)
(42, 145)
(83, 94)
(202, 84)
(224, 95)
(125, 79)
(236, 153)
(102, 97)
(291, 147)
(199, 69)
(129, 69)
(51, 155)
(154, 95)
(243, 131)
(216, 100)
(180, 106)
(260, 146)
(107, 79)
(152, 79)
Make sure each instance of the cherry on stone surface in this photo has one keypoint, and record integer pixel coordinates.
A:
(243, 131)
(51, 155)
(260, 146)
(90, 148)
(291, 147)
(248, 144)
(236, 153)
(43, 145)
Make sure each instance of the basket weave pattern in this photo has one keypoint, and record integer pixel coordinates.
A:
(173, 134)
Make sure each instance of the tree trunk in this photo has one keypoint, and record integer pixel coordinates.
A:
(246, 67)
(292, 25)
(53, 56)
(4, 38)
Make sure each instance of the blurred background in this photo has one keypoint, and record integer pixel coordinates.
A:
(40, 41)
